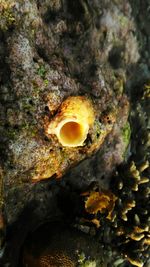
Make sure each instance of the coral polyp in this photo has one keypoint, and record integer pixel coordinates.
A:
(73, 121)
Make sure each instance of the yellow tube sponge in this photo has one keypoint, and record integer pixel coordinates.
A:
(72, 123)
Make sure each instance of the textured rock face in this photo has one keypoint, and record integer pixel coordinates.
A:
(49, 51)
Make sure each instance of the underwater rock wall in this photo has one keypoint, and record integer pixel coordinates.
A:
(51, 51)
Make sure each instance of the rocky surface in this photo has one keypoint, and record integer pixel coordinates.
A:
(50, 50)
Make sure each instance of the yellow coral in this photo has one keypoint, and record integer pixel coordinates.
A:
(73, 121)
(100, 202)
(6, 14)
(146, 93)
(135, 262)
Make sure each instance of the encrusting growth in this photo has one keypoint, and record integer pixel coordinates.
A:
(72, 123)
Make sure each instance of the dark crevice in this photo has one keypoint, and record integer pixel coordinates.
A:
(42, 53)
(76, 9)
(115, 58)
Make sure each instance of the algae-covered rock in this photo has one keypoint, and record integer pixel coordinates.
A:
(42, 68)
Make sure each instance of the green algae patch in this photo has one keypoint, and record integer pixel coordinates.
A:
(126, 133)
(84, 262)
(88, 264)
(42, 71)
